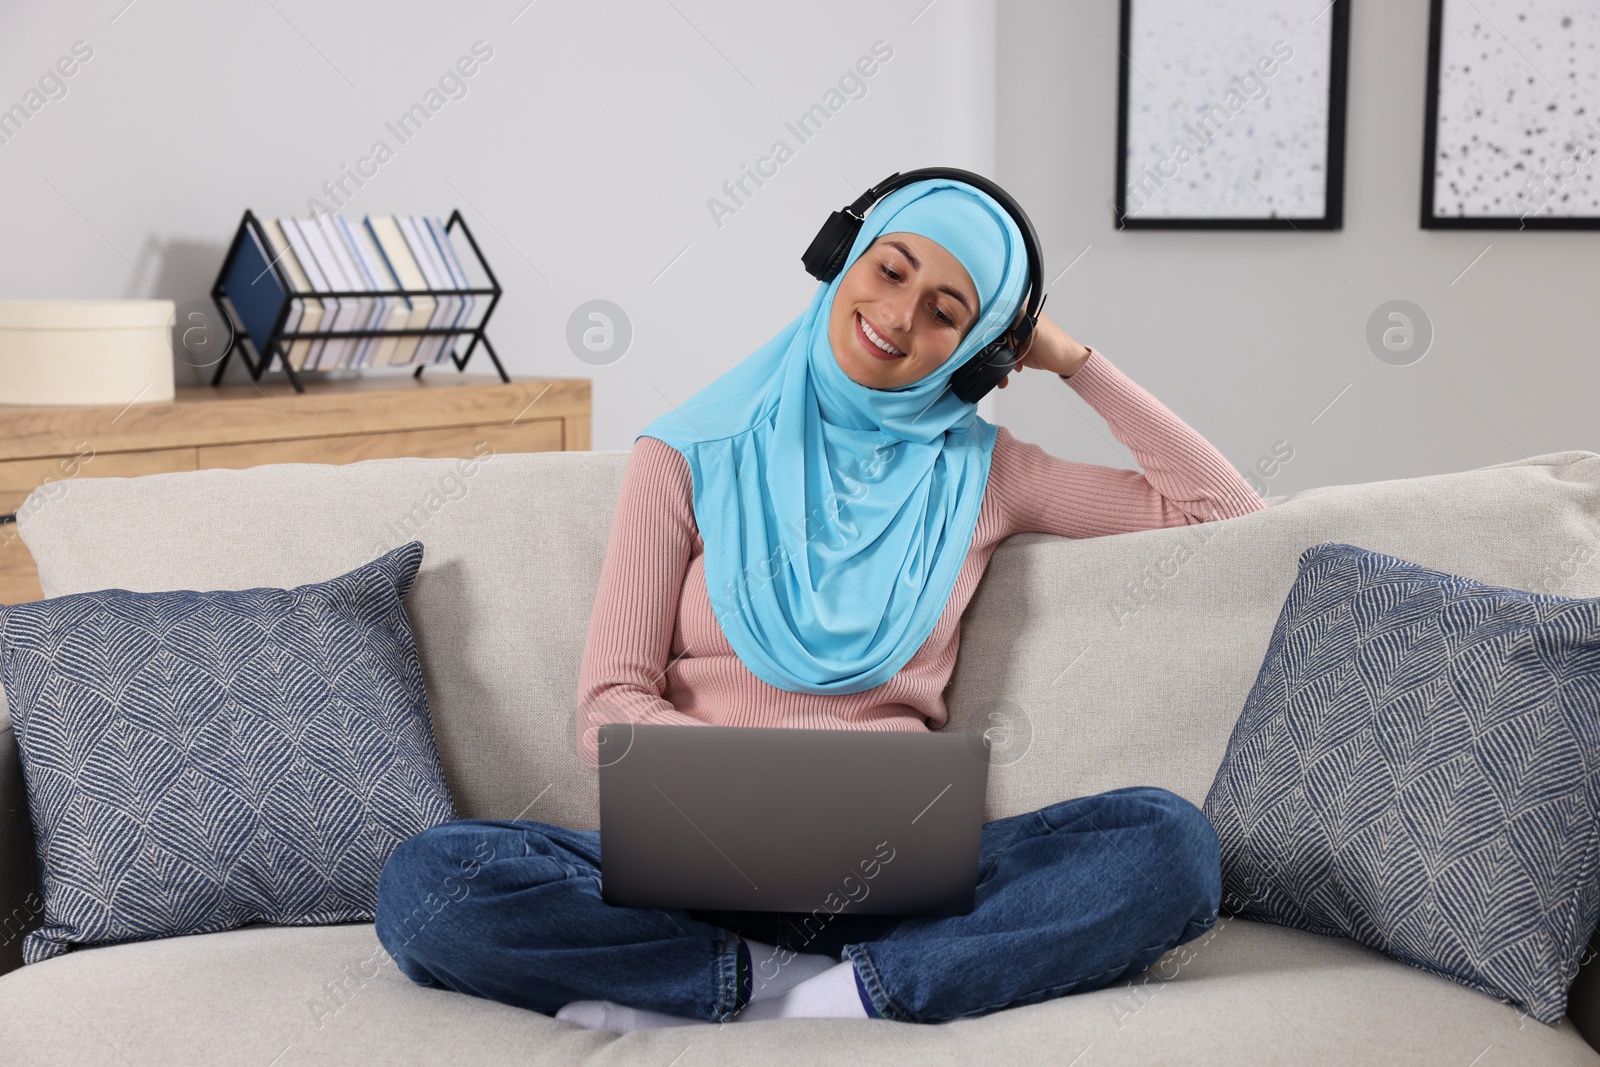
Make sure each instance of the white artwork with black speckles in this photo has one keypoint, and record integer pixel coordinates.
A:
(1519, 110)
(1228, 109)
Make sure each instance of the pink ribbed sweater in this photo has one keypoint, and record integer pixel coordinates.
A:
(655, 652)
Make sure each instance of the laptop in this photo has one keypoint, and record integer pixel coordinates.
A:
(791, 820)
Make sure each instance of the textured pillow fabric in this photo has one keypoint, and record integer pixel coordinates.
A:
(1417, 767)
(199, 761)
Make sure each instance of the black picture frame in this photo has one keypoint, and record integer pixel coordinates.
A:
(1332, 217)
(1430, 220)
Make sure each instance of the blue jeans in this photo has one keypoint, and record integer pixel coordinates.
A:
(1071, 897)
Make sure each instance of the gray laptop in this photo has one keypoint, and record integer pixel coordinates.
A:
(756, 819)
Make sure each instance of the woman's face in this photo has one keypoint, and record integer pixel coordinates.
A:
(909, 292)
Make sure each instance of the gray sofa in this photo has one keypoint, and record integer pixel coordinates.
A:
(1109, 662)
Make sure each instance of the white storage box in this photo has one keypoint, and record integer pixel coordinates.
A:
(85, 351)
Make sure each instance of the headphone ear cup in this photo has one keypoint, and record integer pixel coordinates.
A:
(986, 369)
(831, 245)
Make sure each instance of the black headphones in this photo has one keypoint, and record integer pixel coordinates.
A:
(989, 365)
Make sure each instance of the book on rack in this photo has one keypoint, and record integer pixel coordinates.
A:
(254, 291)
(328, 246)
(392, 310)
(338, 312)
(452, 264)
(427, 257)
(385, 231)
(356, 279)
(310, 313)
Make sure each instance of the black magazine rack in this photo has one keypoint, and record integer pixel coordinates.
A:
(258, 360)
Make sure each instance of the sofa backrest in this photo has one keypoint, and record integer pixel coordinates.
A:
(1097, 663)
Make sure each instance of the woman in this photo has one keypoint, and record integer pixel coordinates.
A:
(842, 503)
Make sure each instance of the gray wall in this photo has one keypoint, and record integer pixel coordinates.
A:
(1250, 336)
(584, 152)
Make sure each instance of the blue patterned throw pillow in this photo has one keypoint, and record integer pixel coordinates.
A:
(1417, 767)
(199, 761)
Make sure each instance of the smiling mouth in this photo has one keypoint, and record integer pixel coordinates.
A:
(864, 334)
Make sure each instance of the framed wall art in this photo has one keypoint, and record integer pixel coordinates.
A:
(1513, 121)
(1231, 114)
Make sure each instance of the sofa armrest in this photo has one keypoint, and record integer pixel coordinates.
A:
(1583, 999)
(21, 906)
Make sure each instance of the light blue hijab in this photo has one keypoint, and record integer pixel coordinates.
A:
(836, 517)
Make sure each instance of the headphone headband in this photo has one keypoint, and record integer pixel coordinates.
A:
(987, 367)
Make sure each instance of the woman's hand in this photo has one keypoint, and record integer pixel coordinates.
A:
(1050, 348)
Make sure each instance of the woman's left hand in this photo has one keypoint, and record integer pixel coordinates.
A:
(1050, 348)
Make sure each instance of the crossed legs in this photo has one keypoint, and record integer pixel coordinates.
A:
(1070, 898)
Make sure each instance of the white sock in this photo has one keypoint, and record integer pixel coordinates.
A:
(831, 994)
(774, 971)
(773, 974)
(618, 1018)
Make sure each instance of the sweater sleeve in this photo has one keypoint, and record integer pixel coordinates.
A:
(1185, 479)
(625, 656)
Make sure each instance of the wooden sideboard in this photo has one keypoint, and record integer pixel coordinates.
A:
(441, 415)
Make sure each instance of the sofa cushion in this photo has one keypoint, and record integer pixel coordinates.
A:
(196, 761)
(1118, 660)
(1418, 767)
(1243, 993)
(499, 608)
